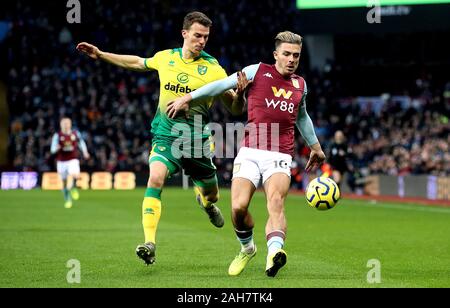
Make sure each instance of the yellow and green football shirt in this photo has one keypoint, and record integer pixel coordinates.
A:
(178, 77)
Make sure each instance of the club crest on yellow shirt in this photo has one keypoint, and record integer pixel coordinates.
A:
(202, 69)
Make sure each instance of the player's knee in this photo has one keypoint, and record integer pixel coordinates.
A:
(155, 180)
(212, 197)
(239, 204)
(211, 194)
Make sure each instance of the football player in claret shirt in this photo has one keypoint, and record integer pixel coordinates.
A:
(181, 71)
(276, 103)
(65, 145)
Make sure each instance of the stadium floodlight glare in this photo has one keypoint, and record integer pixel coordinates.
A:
(329, 4)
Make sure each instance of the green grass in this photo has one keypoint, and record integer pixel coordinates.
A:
(325, 249)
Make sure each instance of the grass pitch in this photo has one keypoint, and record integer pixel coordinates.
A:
(325, 249)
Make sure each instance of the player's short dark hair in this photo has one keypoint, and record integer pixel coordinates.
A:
(194, 17)
(287, 37)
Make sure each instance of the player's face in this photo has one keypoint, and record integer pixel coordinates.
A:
(195, 38)
(287, 57)
(66, 125)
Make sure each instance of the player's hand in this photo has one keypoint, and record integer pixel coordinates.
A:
(243, 83)
(89, 49)
(86, 156)
(316, 158)
(181, 104)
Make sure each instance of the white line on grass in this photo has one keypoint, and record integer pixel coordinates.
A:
(409, 207)
(379, 204)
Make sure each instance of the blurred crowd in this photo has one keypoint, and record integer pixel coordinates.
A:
(113, 108)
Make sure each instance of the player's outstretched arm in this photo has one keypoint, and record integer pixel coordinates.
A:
(211, 89)
(129, 62)
(215, 88)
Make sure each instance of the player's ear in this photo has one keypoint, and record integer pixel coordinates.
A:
(275, 54)
(184, 33)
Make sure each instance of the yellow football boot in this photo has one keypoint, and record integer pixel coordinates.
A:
(68, 204)
(239, 262)
(74, 194)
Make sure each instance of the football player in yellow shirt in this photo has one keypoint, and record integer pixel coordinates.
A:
(181, 70)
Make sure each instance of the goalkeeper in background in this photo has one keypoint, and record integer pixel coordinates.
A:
(65, 145)
(181, 70)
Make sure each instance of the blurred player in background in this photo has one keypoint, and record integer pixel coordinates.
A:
(276, 96)
(65, 145)
(181, 70)
(338, 157)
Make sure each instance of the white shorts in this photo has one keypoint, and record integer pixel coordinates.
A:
(251, 164)
(69, 167)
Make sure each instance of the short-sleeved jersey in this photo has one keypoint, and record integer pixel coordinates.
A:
(68, 146)
(178, 77)
(273, 104)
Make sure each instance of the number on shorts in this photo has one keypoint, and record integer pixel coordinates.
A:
(281, 164)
